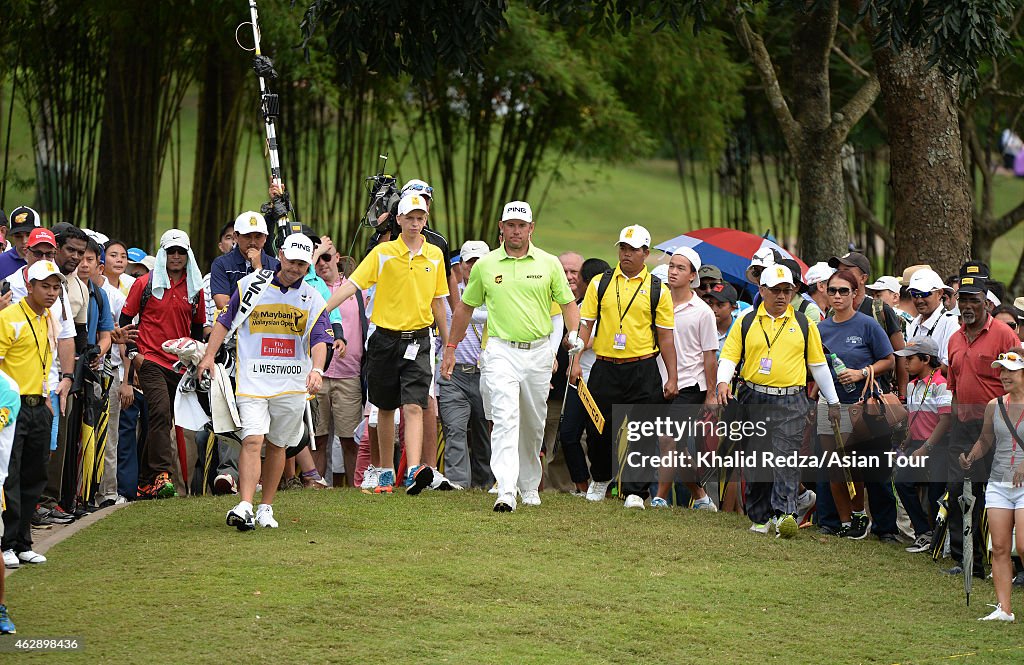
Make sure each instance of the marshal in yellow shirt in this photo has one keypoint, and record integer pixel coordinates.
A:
(786, 352)
(636, 322)
(406, 283)
(25, 357)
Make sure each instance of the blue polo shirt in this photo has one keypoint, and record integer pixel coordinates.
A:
(10, 261)
(230, 268)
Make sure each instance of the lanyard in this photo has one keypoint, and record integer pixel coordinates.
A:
(41, 354)
(618, 301)
(774, 339)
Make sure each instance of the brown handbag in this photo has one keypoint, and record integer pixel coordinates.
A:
(876, 413)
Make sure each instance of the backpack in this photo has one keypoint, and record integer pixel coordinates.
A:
(748, 321)
(602, 287)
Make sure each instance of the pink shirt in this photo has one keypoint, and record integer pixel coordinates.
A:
(926, 401)
(347, 366)
(695, 332)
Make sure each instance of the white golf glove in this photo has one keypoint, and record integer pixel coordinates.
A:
(575, 343)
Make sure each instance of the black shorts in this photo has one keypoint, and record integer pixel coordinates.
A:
(393, 381)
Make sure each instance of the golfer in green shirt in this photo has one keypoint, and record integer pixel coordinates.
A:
(517, 282)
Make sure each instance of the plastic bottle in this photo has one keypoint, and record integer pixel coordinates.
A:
(839, 368)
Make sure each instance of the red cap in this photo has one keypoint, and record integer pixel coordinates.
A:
(41, 235)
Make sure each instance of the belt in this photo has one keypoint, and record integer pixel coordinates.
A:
(404, 334)
(522, 345)
(769, 390)
(466, 368)
(33, 400)
(622, 361)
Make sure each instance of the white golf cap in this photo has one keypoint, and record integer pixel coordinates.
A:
(149, 262)
(297, 247)
(410, 202)
(819, 272)
(174, 238)
(777, 274)
(992, 298)
(519, 210)
(474, 249)
(636, 236)
(1010, 360)
(417, 186)
(100, 238)
(763, 257)
(694, 260)
(40, 270)
(885, 283)
(661, 272)
(250, 221)
(926, 279)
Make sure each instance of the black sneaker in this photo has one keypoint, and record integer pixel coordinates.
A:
(889, 538)
(859, 525)
(829, 531)
(58, 516)
(1019, 580)
(41, 518)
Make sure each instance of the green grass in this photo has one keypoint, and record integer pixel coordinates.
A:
(356, 578)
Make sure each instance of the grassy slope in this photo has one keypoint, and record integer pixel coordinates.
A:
(350, 577)
(584, 213)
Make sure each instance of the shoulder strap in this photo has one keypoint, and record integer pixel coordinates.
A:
(878, 311)
(655, 298)
(803, 306)
(602, 287)
(804, 324)
(255, 286)
(745, 323)
(1009, 423)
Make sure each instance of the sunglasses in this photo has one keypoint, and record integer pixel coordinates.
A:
(426, 190)
(326, 258)
(43, 255)
(1013, 357)
(841, 290)
(171, 251)
(914, 293)
(781, 291)
(707, 286)
(1012, 324)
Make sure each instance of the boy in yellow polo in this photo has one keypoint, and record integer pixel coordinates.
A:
(409, 274)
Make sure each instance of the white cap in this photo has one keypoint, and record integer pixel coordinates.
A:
(661, 272)
(410, 202)
(100, 238)
(993, 299)
(926, 279)
(149, 262)
(416, 186)
(885, 283)
(297, 247)
(636, 236)
(519, 210)
(474, 249)
(1010, 360)
(694, 259)
(819, 272)
(763, 257)
(174, 238)
(251, 221)
(776, 274)
(40, 270)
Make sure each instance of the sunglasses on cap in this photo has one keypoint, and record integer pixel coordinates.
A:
(427, 190)
(841, 290)
(1012, 356)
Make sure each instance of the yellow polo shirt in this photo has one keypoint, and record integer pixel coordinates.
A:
(617, 315)
(407, 283)
(786, 349)
(24, 357)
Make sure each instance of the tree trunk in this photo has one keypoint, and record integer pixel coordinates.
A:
(823, 230)
(218, 135)
(125, 198)
(932, 207)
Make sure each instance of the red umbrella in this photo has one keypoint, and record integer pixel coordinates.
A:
(727, 249)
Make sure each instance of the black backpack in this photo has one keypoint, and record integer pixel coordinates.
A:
(602, 287)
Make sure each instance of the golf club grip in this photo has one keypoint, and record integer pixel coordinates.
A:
(847, 476)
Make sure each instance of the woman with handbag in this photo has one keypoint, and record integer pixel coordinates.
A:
(1004, 497)
(857, 347)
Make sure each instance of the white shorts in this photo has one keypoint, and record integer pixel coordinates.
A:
(1004, 495)
(281, 419)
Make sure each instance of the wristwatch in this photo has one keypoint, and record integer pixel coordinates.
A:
(131, 354)
(67, 375)
(318, 371)
(864, 372)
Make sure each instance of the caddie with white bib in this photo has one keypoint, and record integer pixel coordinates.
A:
(283, 333)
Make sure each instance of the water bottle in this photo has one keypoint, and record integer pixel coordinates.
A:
(839, 368)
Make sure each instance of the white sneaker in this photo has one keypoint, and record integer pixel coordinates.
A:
(804, 505)
(597, 490)
(998, 615)
(494, 489)
(11, 559)
(241, 517)
(31, 557)
(505, 503)
(531, 498)
(265, 516)
(705, 504)
(370, 478)
(442, 484)
(762, 528)
(634, 501)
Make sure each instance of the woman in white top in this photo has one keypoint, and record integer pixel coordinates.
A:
(114, 263)
(1004, 497)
